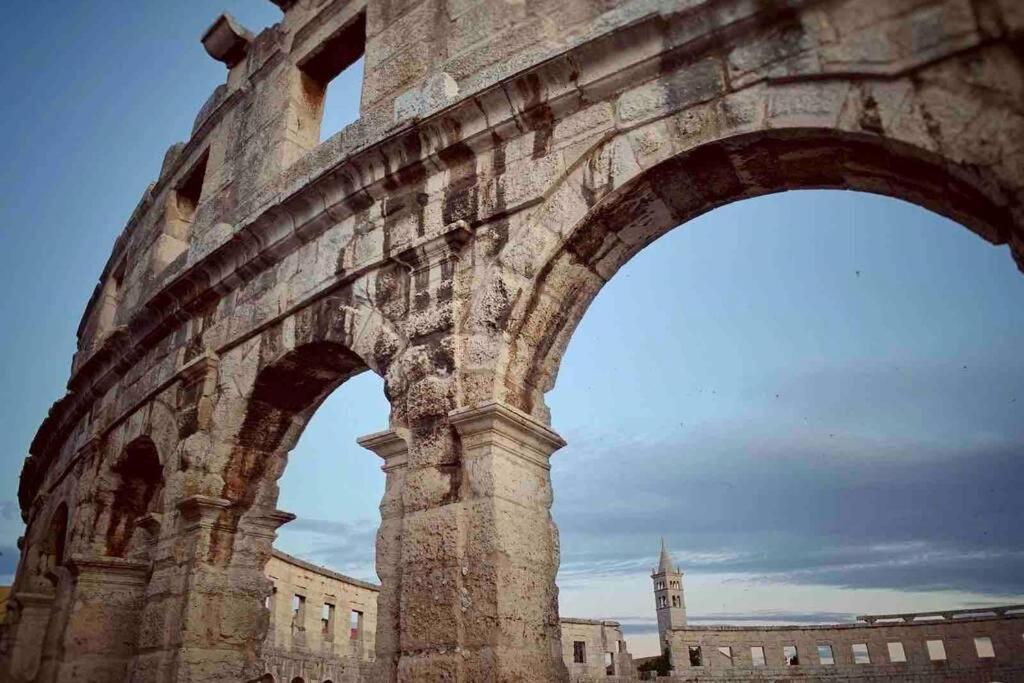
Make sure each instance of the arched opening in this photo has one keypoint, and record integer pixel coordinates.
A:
(799, 381)
(137, 485)
(53, 549)
(296, 461)
(610, 226)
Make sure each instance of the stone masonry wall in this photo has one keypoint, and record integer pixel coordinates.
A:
(509, 158)
(962, 662)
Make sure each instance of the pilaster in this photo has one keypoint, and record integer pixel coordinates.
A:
(394, 451)
(510, 600)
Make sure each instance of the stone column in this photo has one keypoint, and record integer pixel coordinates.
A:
(28, 617)
(511, 554)
(393, 450)
(100, 633)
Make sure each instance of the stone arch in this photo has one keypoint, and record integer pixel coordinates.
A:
(53, 550)
(284, 396)
(609, 230)
(137, 484)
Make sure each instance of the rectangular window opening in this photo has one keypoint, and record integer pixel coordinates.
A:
(983, 646)
(355, 624)
(327, 618)
(725, 654)
(332, 79)
(860, 654)
(791, 655)
(757, 656)
(897, 655)
(696, 656)
(299, 609)
(190, 189)
(825, 655)
(936, 650)
(579, 652)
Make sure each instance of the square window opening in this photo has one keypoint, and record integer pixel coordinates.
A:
(190, 190)
(757, 656)
(791, 655)
(825, 655)
(983, 646)
(332, 80)
(936, 650)
(897, 655)
(860, 654)
(696, 656)
(725, 654)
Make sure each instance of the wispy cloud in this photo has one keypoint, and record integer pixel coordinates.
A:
(843, 510)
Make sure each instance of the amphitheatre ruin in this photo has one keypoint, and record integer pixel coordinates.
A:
(509, 158)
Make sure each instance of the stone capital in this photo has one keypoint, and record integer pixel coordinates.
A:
(109, 569)
(439, 248)
(389, 447)
(201, 510)
(497, 425)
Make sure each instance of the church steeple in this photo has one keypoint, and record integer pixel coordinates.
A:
(665, 561)
(668, 594)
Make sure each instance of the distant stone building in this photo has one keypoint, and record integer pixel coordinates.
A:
(959, 645)
(323, 624)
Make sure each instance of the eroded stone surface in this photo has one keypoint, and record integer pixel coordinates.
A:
(507, 161)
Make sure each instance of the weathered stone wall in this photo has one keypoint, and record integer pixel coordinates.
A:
(300, 642)
(962, 661)
(510, 157)
(604, 649)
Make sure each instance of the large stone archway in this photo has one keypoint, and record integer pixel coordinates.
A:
(508, 160)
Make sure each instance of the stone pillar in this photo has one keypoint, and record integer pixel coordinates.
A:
(100, 633)
(510, 600)
(478, 600)
(28, 617)
(393, 450)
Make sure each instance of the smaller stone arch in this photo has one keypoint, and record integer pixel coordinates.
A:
(137, 480)
(298, 679)
(52, 553)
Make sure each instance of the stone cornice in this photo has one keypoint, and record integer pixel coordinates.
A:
(131, 570)
(497, 424)
(388, 446)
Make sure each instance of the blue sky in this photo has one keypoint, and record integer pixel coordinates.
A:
(815, 397)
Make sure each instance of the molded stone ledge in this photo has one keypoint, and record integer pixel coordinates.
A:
(109, 569)
(388, 446)
(497, 424)
(33, 599)
(202, 510)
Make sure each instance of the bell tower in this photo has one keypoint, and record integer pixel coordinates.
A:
(668, 594)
